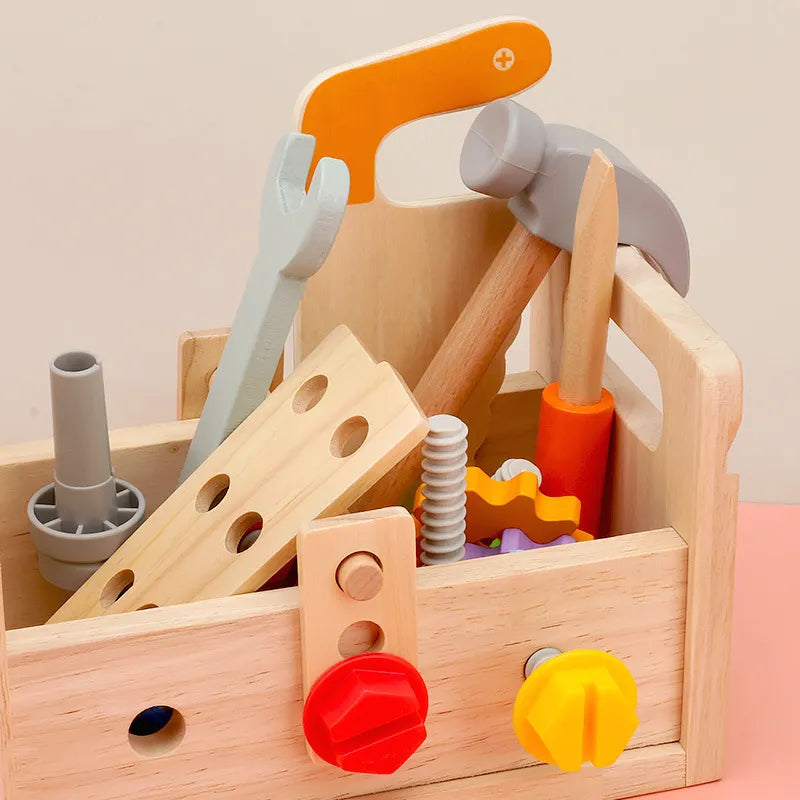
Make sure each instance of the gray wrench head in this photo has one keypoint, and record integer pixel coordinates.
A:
(509, 152)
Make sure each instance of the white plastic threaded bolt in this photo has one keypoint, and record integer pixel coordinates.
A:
(444, 473)
(515, 466)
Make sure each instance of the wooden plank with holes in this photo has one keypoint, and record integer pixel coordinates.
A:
(150, 456)
(231, 669)
(510, 427)
(310, 449)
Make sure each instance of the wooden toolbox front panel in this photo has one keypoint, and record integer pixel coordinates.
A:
(232, 669)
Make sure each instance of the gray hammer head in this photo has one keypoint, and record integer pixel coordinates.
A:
(510, 152)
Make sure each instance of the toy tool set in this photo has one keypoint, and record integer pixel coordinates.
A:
(390, 569)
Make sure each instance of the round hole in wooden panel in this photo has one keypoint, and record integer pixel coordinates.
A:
(116, 587)
(244, 532)
(349, 436)
(309, 394)
(210, 496)
(361, 637)
(156, 731)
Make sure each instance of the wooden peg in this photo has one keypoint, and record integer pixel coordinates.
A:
(360, 576)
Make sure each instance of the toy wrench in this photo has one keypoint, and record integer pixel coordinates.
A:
(297, 231)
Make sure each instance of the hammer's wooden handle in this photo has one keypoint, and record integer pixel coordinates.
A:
(469, 348)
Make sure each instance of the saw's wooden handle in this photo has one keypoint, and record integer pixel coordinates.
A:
(480, 330)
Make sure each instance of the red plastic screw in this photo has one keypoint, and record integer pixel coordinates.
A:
(367, 714)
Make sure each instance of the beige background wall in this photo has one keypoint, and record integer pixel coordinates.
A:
(134, 137)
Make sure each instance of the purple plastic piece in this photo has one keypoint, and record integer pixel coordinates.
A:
(514, 540)
(478, 551)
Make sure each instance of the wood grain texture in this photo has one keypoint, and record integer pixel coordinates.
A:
(326, 612)
(231, 666)
(688, 484)
(547, 320)
(675, 474)
(7, 789)
(360, 576)
(464, 356)
(656, 768)
(399, 276)
(587, 303)
(199, 353)
(477, 410)
(296, 457)
(513, 422)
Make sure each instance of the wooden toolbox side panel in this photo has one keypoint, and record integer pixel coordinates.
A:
(656, 768)
(232, 668)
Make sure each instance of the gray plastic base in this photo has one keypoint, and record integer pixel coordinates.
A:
(68, 558)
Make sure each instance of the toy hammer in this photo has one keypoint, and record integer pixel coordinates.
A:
(510, 151)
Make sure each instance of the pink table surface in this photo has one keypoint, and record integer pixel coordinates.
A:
(763, 753)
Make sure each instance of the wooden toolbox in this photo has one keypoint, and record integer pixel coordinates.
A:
(656, 593)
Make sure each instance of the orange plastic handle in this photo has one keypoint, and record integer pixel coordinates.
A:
(572, 451)
(351, 110)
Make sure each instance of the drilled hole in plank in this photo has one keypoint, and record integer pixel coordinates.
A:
(361, 637)
(116, 587)
(309, 394)
(212, 493)
(156, 731)
(243, 532)
(349, 437)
